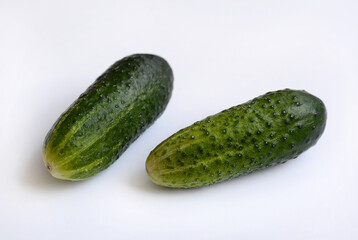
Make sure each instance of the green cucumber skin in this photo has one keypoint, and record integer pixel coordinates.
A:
(263, 132)
(100, 125)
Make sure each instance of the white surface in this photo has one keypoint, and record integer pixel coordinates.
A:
(223, 53)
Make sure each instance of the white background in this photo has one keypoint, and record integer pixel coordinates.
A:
(223, 53)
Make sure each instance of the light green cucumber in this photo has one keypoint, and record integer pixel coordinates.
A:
(263, 132)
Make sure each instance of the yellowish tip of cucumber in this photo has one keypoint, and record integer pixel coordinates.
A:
(53, 168)
(151, 168)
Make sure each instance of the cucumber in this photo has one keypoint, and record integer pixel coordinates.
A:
(263, 132)
(100, 125)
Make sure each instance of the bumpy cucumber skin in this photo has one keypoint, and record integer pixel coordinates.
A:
(263, 132)
(99, 126)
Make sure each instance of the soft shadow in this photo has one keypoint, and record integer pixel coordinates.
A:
(37, 176)
(141, 181)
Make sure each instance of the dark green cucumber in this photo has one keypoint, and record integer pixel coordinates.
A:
(99, 126)
(263, 132)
